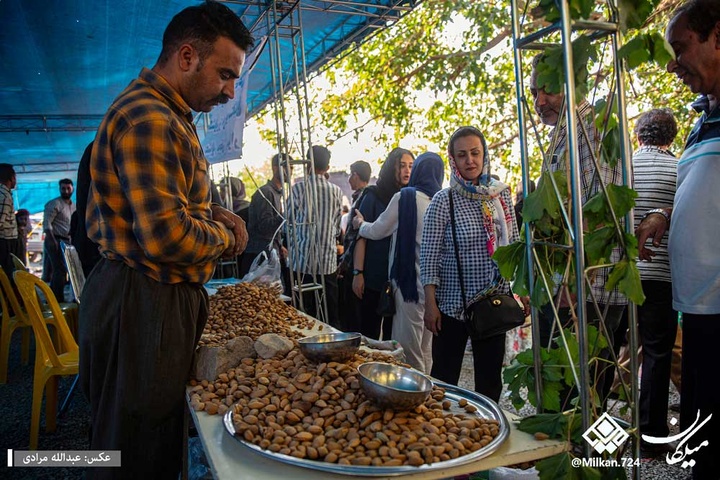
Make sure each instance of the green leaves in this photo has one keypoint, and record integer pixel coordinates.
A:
(551, 69)
(597, 210)
(578, 9)
(634, 13)
(543, 199)
(555, 425)
(646, 47)
(512, 262)
(626, 276)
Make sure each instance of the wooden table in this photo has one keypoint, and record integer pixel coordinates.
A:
(228, 459)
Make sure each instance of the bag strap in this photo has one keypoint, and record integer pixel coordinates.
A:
(457, 250)
(496, 282)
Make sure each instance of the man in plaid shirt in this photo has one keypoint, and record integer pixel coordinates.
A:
(149, 209)
(610, 303)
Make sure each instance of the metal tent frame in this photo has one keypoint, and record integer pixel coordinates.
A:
(522, 40)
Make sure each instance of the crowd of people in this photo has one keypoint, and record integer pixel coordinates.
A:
(157, 234)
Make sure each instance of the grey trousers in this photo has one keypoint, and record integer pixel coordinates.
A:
(137, 341)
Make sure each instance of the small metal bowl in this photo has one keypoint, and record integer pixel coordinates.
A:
(330, 347)
(391, 386)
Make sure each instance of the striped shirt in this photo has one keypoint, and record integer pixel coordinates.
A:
(438, 264)
(149, 201)
(654, 177)
(590, 185)
(8, 225)
(316, 230)
(694, 256)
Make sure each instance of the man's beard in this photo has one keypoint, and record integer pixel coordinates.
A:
(65, 196)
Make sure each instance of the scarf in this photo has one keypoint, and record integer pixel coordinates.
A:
(427, 177)
(495, 213)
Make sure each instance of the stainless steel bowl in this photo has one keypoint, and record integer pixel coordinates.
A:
(391, 386)
(330, 347)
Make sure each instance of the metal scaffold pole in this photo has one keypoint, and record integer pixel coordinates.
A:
(284, 23)
(560, 35)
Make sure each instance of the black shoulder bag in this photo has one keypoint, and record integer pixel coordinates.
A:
(491, 314)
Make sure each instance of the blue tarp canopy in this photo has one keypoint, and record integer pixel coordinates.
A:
(63, 62)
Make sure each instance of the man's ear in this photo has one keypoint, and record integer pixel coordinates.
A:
(186, 57)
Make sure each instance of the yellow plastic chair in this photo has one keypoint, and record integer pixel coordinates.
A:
(19, 319)
(19, 264)
(11, 322)
(49, 361)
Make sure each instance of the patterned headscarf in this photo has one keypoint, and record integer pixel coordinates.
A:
(496, 214)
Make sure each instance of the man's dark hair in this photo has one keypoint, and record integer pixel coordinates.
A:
(362, 168)
(201, 26)
(321, 157)
(701, 15)
(275, 161)
(65, 181)
(656, 127)
(7, 172)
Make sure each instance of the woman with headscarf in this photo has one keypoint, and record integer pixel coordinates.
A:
(484, 221)
(403, 218)
(370, 257)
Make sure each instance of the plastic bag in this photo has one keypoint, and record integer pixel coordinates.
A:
(392, 347)
(265, 272)
(506, 473)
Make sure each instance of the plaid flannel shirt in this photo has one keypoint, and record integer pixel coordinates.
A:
(590, 185)
(149, 201)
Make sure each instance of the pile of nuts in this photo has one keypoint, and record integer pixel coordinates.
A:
(250, 310)
(319, 412)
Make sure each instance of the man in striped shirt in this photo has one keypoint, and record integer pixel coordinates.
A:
(149, 209)
(694, 35)
(654, 176)
(8, 226)
(316, 233)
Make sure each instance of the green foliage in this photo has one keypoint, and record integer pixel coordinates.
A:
(644, 48)
(543, 201)
(556, 371)
(634, 13)
(597, 209)
(548, 9)
(626, 277)
(551, 71)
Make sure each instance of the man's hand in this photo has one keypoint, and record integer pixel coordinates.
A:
(283, 253)
(236, 225)
(653, 226)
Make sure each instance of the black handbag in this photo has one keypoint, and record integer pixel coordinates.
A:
(386, 303)
(489, 315)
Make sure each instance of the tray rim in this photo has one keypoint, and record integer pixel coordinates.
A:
(380, 471)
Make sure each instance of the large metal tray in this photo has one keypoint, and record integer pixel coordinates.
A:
(486, 408)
